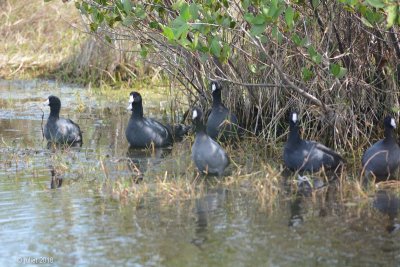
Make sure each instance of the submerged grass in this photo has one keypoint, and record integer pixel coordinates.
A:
(253, 172)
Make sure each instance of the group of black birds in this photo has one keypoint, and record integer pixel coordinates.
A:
(381, 161)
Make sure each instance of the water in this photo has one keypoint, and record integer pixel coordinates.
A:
(83, 223)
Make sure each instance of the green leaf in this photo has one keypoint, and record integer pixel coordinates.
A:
(108, 39)
(154, 25)
(259, 19)
(177, 4)
(352, 2)
(93, 26)
(195, 41)
(315, 56)
(249, 17)
(337, 70)
(275, 11)
(140, 12)
(297, 40)
(143, 52)
(127, 6)
(215, 47)
(265, 11)
(253, 68)
(263, 39)
(194, 11)
(315, 3)
(226, 51)
(245, 4)
(181, 31)
(129, 20)
(277, 34)
(226, 22)
(178, 22)
(167, 32)
(392, 14)
(306, 74)
(185, 12)
(289, 15)
(376, 3)
(258, 29)
(366, 22)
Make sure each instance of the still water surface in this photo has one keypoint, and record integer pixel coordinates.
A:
(78, 224)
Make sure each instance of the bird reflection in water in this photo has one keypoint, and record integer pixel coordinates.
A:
(307, 190)
(140, 160)
(205, 207)
(56, 179)
(388, 203)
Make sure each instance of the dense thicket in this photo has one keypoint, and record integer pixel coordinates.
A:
(337, 62)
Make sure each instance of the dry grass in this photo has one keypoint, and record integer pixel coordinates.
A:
(50, 40)
(36, 36)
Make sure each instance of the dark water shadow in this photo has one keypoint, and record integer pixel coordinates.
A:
(205, 207)
(325, 196)
(56, 178)
(388, 203)
(141, 160)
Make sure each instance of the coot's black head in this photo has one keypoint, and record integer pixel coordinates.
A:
(389, 122)
(134, 99)
(197, 115)
(216, 92)
(293, 118)
(197, 119)
(215, 86)
(53, 101)
(55, 105)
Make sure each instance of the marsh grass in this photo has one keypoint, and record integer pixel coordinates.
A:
(36, 37)
(254, 172)
(49, 40)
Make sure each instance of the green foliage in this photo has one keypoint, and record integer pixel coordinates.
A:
(203, 26)
(373, 12)
(306, 74)
(337, 70)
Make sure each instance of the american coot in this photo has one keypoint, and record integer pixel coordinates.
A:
(221, 123)
(382, 159)
(302, 155)
(207, 154)
(143, 132)
(60, 130)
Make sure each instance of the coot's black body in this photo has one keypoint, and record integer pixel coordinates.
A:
(144, 132)
(207, 154)
(60, 130)
(382, 159)
(221, 123)
(307, 156)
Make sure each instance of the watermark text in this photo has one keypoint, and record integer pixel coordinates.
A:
(35, 260)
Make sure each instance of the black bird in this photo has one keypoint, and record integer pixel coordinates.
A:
(60, 130)
(142, 132)
(221, 123)
(207, 154)
(307, 156)
(382, 159)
